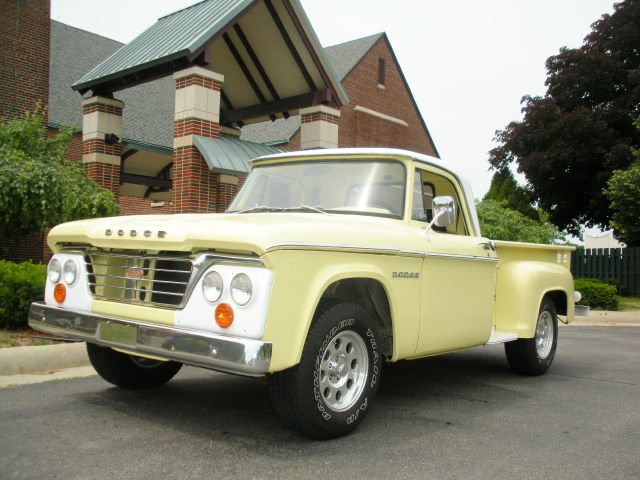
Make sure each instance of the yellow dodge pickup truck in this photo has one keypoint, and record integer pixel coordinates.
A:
(327, 264)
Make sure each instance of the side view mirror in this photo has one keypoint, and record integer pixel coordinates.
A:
(444, 209)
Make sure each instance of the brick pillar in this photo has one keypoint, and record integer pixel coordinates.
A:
(197, 112)
(102, 117)
(319, 127)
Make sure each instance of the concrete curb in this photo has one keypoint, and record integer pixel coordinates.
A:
(24, 360)
(47, 376)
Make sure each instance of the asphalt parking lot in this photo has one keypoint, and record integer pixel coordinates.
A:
(462, 415)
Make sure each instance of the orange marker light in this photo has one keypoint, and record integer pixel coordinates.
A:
(59, 293)
(224, 315)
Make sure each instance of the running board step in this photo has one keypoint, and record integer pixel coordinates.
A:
(501, 337)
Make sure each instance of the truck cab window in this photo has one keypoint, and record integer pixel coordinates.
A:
(423, 194)
(427, 185)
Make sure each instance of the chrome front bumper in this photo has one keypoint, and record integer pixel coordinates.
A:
(243, 356)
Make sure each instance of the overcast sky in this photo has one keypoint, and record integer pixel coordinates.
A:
(468, 62)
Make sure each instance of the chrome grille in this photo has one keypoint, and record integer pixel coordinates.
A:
(145, 279)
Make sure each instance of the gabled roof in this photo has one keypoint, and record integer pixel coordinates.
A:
(266, 50)
(171, 37)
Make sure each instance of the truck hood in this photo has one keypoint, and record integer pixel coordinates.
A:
(253, 233)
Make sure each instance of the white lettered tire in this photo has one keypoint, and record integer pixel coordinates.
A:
(333, 387)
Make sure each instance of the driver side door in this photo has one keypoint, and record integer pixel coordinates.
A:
(458, 274)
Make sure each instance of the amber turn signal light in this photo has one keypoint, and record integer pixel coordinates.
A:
(59, 292)
(224, 315)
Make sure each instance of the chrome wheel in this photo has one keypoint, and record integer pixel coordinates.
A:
(343, 370)
(544, 334)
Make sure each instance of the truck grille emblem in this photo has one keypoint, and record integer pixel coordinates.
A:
(134, 273)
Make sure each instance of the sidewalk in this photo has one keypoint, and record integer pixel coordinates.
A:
(25, 365)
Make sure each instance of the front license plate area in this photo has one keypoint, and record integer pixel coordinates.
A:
(118, 333)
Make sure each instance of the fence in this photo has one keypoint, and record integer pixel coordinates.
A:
(623, 264)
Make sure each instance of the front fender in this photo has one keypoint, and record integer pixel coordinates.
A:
(520, 288)
(300, 279)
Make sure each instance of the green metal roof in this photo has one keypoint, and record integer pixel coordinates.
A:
(229, 154)
(253, 43)
(172, 36)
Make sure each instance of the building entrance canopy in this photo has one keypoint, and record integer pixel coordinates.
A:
(267, 51)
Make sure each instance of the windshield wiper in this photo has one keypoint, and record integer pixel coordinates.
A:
(306, 207)
(260, 208)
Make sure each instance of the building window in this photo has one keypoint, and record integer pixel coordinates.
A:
(381, 71)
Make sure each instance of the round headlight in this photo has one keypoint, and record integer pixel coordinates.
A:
(55, 270)
(577, 296)
(69, 272)
(212, 286)
(241, 289)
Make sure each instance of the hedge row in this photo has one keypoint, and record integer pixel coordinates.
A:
(20, 284)
(596, 293)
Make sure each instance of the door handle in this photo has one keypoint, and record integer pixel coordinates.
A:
(490, 245)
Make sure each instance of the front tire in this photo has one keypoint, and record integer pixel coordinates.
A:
(127, 371)
(533, 356)
(329, 392)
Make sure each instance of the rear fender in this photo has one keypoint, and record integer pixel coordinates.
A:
(520, 288)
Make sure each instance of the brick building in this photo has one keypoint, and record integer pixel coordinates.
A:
(145, 136)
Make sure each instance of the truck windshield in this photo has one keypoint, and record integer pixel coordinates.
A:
(363, 187)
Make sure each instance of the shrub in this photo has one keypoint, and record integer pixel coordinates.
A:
(38, 187)
(621, 289)
(501, 223)
(596, 293)
(20, 284)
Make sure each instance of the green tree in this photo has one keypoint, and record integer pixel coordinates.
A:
(500, 223)
(623, 189)
(38, 187)
(505, 190)
(571, 141)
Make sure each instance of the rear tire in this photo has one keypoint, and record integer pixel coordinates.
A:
(127, 371)
(533, 356)
(332, 388)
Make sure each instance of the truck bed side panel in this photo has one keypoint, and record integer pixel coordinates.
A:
(526, 273)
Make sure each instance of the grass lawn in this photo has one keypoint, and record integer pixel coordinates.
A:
(21, 338)
(630, 304)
